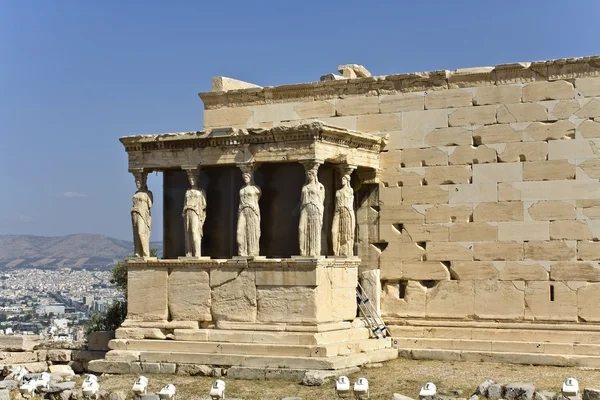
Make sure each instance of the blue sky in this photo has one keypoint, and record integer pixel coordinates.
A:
(76, 75)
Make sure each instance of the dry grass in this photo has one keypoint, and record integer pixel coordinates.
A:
(397, 376)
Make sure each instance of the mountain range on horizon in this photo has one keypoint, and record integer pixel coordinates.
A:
(80, 250)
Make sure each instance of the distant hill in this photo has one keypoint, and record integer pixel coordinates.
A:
(80, 250)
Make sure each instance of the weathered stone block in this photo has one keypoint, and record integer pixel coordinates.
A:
(498, 251)
(451, 299)
(519, 231)
(315, 109)
(401, 102)
(587, 250)
(182, 306)
(590, 129)
(424, 233)
(550, 301)
(413, 176)
(147, 288)
(19, 342)
(445, 175)
(548, 170)
(570, 230)
(564, 109)
(500, 94)
(523, 271)
(98, 341)
(479, 115)
(423, 157)
(295, 304)
(424, 195)
(452, 136)
(417, 271)
(498, 300)
(590, 110)
(572, 149)
(233, 294)
(588, 298)
(498, 133)
(371, 283)
(588, 87)
(473, 232)
(543, 90)
(441, 213)
(348, 122)
(524, 151)
(472, 155)
(357, 105)
(379, 122)
(403, 299)
(591, 168)
(473, 270)
(521, 112)
(273, 113)
(575, 271)
(451, 98)
(473, 193)
(238, 116)
(556, 250)
(552, 210)
(498, 212)
(500, 172)
(440, 251)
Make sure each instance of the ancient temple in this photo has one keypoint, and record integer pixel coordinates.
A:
(474, 222)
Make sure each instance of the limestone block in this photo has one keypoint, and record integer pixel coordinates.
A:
(523, 271)
(424, 195)
(587, 250)
(294, 304)
(498, 212)
(473, 193)
(499, 172)
(591, 168)
(540, 131)
(453, 299)
(98, 341)
(564, 109)
(472, 155)
(357, 105)
(575, 271)
(556, 250)
(315, 109)
(473, 232)
(440, 251)
(519, 231)
(498, 133)
(424, 233)
(592, 212)
(543, 90)
(549, 190)
(498, 300)
(402, 102)
(479, 115)
(147, 293)
(423, 157)
(19, 342)
(391, 213)
(451, 98)
(590, 110)
(473, 270)
(291, 276)
(276, 112)
(379, 122)
(441, 213)
(588, 87)
(21, 357)
(182, 306)
(348, 122)
(222, 83)
(548, 170)
(237, 116)
(570, 230)
(233, 295)
(588, 298)
(562, 306)
(501, 94)
(572, 149)
(416, 270)
(498, 251)
(415, 126)
(445, 175)
(524, 151)
(551, 211)
(412, 176)
(403, 299)
(521, 112)
(371, 283)
(396, 252)
(453, 136)
(590, 129)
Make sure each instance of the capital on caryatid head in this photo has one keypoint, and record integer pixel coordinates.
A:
(311, 165)
(247, 167)
(345, 169)
(193, 174)
(140, 177)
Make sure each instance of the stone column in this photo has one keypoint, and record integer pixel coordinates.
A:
(312, 204)
(140, 214)
(194, 213)
(344, 219)
(248, 221)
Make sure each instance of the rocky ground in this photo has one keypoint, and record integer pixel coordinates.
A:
(453, 380)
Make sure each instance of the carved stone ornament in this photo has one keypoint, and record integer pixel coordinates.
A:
(140, 215)
(194, 215)
(248, 226)
(312, 204)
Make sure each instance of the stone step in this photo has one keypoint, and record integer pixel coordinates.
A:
(497, 333)
(289, 338)
(327, 350)
(498, 346)
(561, 360)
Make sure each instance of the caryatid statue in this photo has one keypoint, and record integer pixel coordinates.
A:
(312, 204)
(194, 215)
(140, 216)
(248, 226)
(344, 220)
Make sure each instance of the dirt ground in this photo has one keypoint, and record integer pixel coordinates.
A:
(398, 376)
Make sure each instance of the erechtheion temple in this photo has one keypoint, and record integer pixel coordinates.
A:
(466, 202)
